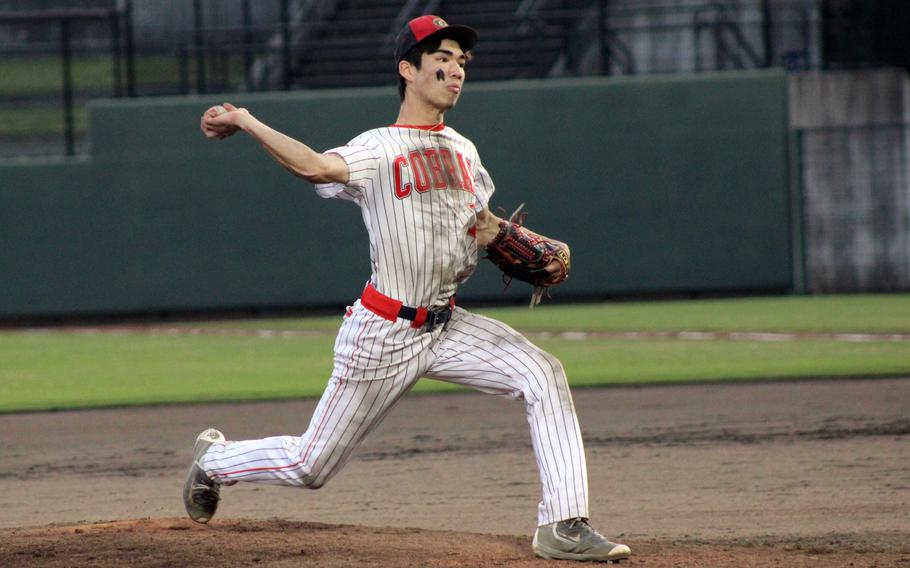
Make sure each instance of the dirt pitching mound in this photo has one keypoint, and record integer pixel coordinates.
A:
(179, 542)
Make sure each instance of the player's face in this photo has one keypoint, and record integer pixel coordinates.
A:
(441, 90)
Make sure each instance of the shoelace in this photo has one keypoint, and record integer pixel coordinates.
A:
(581, 524)
(205, 495)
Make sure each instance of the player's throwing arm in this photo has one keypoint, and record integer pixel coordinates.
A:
(222, 121)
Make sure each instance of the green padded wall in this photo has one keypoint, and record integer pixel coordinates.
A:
(660, 184)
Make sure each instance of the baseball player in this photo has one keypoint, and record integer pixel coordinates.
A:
(424, 196)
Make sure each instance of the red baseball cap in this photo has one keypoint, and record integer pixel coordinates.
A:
(429, 27)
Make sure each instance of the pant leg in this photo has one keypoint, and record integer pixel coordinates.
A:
(376, 363)
(490, 356)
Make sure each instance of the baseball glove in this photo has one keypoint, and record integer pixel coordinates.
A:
(524, 255)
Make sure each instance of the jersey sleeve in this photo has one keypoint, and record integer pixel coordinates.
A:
(362, 164)
(483, 185)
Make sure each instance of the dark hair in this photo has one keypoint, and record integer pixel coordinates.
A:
(413, 56)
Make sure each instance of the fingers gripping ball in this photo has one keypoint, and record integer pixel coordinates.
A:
(214, 125)
(523, 255)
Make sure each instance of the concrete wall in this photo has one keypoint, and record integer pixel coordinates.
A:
(854, 159)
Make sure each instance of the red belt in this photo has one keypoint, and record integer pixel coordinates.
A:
(391, 309)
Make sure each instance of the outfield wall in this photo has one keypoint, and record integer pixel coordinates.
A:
(660, 184)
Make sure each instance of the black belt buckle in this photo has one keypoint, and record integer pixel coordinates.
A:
(440, 315)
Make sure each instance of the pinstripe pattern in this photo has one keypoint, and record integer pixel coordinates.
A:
(489, 356)
(418, 209)
(420, 249)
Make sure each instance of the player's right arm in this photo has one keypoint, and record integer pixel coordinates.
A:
(293, 155)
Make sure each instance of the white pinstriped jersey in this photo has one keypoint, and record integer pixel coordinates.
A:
(419, 190)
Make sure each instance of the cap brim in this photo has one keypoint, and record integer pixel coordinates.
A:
(465, 36)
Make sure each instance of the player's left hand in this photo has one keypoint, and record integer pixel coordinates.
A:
(559, 266)
(530, 257)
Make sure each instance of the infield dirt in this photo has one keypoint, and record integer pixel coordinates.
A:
(761, 474)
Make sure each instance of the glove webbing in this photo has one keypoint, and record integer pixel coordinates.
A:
(518, 218)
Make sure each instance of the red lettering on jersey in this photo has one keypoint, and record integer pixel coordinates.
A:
(451, 171)
(401, 191)
(467, 180)
(419, 167)
(439, 180)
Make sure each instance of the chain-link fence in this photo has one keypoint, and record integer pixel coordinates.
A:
(51, 63)
(57, 55)
(856, 208)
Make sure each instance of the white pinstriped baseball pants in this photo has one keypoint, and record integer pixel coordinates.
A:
(378, 361)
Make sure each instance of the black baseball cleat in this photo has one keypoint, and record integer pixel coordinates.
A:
(575, 539)
(200, 493)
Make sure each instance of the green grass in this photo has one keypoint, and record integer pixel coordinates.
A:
(51, 370)
(44, 370)
(623, 361)
(886, 313)
(859, 313)
(44, 76)
(41, 75)
(39, 120)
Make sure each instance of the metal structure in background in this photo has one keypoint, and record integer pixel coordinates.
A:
(207, 46)
(310, 44)
(65, 21)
